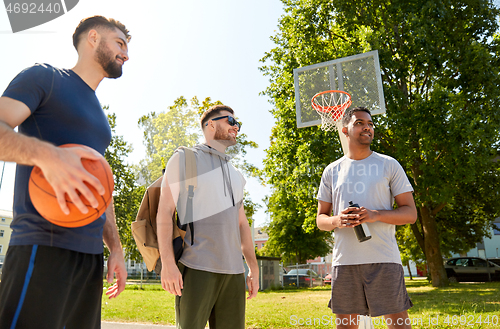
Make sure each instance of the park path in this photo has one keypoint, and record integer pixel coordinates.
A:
(117, 325)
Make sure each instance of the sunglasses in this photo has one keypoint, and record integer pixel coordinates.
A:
(232, 121)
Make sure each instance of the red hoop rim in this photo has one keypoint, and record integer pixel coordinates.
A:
(337, 111)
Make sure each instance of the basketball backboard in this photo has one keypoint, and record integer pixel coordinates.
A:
(358, 75)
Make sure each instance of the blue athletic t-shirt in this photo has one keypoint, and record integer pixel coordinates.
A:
(64, 110)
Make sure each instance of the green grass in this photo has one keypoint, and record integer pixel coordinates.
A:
(149, 305)
(460, 306)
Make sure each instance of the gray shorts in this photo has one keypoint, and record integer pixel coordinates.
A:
(369, 289)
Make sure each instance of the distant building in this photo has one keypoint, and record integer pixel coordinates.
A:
(488, 247)
(261, 237)
(5, 232)
(322, 265)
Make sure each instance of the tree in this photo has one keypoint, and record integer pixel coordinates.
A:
(250, 207)
(408, 247)
(440, 70)
(294, 165)
(127, 195)
(165, 132)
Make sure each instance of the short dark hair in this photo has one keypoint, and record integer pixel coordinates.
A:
(213, 112)
(349, 112)
(94, 22)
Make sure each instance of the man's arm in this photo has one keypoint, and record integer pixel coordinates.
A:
(326, 222)
(171, 278)
(16, 147)
(248, 250)
(405, 213)
(116, 263)
(61, 167)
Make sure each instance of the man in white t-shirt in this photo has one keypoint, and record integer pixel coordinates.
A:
(367, 277)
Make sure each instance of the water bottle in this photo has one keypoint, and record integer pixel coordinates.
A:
(362, 231)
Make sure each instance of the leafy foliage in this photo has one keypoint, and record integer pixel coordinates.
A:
(127, 195)
(440, 70)
(164, 132)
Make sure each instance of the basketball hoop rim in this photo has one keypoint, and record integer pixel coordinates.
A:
(335, 108)
(332, 110)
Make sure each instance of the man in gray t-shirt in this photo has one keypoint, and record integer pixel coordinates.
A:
(209, 283)
(367, 277)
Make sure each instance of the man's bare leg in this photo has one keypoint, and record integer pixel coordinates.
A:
(399, 320)
(347, 321)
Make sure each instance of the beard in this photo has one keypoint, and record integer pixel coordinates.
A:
(105, 58)
(223, 137)
(365, 141)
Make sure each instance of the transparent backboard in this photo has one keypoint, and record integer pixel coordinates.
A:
(358, 75)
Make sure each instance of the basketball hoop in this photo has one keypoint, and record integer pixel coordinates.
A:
(331, 105)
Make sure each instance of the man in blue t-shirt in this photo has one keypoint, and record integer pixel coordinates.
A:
(52, 275)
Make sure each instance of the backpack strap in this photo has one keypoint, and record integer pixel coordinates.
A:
(191, 183)
(191, 172)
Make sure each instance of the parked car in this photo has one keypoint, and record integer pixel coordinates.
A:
(471, 269)
(306, 277)
(495, 260)
(327, 279)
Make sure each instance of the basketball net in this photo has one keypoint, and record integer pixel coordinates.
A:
(331, 105)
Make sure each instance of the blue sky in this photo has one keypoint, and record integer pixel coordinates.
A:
(178, 48)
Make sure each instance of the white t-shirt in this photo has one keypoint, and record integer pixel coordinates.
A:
(371, 183)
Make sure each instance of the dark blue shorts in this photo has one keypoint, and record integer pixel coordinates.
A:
(49, 287)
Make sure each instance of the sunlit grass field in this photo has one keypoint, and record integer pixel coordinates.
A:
(462, 305)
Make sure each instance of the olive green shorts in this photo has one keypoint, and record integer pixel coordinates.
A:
(213, 297)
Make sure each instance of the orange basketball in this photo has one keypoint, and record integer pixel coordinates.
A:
(45, 201)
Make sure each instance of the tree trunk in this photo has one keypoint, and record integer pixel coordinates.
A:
(432, 249)
(416, 232)
(409, 269)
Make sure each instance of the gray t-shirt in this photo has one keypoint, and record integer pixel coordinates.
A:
(372, 183)
(216, 203)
